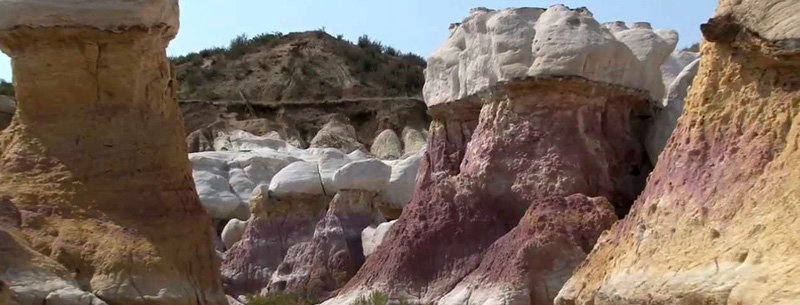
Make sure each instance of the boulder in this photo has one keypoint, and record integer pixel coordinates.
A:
(98, 162)
(299, 178)
(372, 236)
(414, 141)
(368, 175)
(233, 232)
(211, 176)
(402, 182)
(339, 134)
(490, 47)
(717, 223)
(387, 145)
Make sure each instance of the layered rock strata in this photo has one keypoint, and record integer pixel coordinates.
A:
(299, 123)
(99, 192)
(717, 221)
(535, 111)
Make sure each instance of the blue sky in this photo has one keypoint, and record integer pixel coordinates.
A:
(412, 25)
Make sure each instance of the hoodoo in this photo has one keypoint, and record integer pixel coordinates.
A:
(537, 141)
(95, 159)
(717, 222)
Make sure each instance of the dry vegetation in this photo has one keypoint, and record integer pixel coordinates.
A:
(299, 66)
(6, 88)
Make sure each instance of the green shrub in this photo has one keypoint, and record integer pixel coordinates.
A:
(376, 298)
(283, 298)
(693, 48)
(6, 88)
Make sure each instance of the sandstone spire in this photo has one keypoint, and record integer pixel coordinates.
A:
(95, 157)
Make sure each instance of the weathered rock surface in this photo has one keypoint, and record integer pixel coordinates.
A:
(717, 221)
(652, 48)
(664, 122)
(495, 46)
(675, 64)
(372, 237)
(414, 141)
(227, 179)
(387, 145)
(401, 184)
(298, 178)
(369, 175)
(28, 277)
(531, 263)
(326, 262)
(339, 134)
(278, 224)
(233, 231)
(482, 172)
(99, 193)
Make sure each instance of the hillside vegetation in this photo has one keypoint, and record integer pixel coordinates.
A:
(299, 66)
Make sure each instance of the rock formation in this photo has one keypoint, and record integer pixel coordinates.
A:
(387, 145)
(534, 111)
(339, 134)
(99, 194)
(372, 236)
(29, 277)
(675, 64)
(664, 122)
(326, 262)
(308, 208)
(531, 263)
(717, 222)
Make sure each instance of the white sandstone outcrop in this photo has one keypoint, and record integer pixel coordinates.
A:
(674, 66)
(494, 46)
(402, 181)
(368, 175)
(387, 145)
(414, 141)
(297, 178)
(227, 180)
(233, 232)
(665, 122)
(372, 237)
(651, 47)
(211, 176)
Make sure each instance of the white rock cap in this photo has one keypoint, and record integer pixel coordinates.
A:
(495, 46)
(109, 15)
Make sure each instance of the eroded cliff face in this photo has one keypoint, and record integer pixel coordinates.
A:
(95, 158)
(717, 222)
